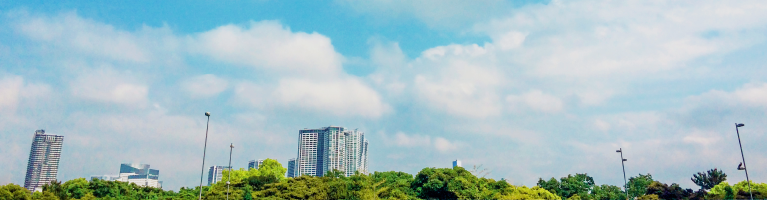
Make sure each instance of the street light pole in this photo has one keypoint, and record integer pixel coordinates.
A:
(744, 158)
(231, 146)
(207, 124)
(625, 184)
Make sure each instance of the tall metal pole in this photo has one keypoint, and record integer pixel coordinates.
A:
(625, 184)
(203, 152)
(231, 146)
(744, 159)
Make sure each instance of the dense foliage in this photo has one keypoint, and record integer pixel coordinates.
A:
(269, 182)
(709, 179)
(638, 185)
(581, 186)
(738, 191)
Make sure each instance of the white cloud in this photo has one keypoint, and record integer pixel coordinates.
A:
(754, 94)
(402, 139)
(509, 40)
(602, 125)
(72, 34)
(110, 86)
(748, 95)
(269, 46)
(456, 80)
(342, 97)
(10, 88)
(701, 140)
(537, 100)
(592, 38)
(345, 97)
(391, 63)
(440, 144)
(205, 85)
(444, 145)
(14, 91)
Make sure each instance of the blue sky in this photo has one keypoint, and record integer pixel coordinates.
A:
(527, 90)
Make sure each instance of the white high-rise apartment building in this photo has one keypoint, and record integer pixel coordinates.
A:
(309, 156)
(356, 152)
(328, 148)
(215, 174)
(44, 158)
(334, 153)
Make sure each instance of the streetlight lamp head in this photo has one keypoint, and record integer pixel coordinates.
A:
(625, 159)
(739, 125)
(207, 114)
(617, 151)
(231, 145)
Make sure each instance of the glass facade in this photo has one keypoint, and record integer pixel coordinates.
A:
(139, 171)
(215, 174)
(44, 158)
(329, 148)
(291, 168)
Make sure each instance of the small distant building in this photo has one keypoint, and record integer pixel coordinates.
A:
(291, 168)
(456, 163)
(140, 174)
(106, 177)
(215, 174)
(254, 164)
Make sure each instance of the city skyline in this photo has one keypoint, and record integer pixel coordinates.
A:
(527, 89)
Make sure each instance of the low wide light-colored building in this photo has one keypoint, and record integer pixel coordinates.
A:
(140, 174)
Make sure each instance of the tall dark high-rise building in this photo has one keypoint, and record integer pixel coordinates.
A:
(291, 168)
(330, 148)
(44, 158)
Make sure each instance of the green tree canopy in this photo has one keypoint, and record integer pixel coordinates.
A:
(569, 186)
(607, 192)
(709, 179)
(637, 185)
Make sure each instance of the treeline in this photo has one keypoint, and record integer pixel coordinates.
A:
(713, 186)
(269, 182)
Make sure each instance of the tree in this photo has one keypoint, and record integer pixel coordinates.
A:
(637, 185)
(728, 193)
(552, 185)
(569, 186)
(76, 188)
(664, 191)
(397, 184)
(607, 192)
(55, 188)
(247, 196)
(580, 184)
(433, 183)
(13, 191)
(480, 171)
(5, 194)
(271, 167)
(709, 179)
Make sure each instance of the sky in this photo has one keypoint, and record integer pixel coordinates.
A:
(524, 89)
